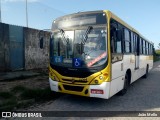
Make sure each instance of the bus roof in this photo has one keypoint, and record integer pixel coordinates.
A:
(80, 13)
(112, 15)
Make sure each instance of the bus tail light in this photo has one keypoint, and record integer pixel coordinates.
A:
(97, 91)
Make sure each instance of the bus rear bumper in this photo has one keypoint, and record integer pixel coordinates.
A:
(97, 91)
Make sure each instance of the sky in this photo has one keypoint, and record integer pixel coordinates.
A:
(143, 15)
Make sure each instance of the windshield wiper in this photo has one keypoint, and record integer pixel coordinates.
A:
(86, 34)
(66, 40)
(63, 35)
(85, 38)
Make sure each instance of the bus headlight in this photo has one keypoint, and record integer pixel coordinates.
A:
(101, 77)
(98, 80)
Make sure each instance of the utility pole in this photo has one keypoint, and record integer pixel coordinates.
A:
(0, 12)
(26, 13)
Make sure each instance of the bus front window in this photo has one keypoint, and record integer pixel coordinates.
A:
(78, 49)
(63, 50)
(93, 51)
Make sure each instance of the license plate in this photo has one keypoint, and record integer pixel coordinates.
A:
(96, 91)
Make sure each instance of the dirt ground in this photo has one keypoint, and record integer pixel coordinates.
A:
(14, 100)
(40, 81)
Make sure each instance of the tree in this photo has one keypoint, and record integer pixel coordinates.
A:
(159, 45)
(154, 51)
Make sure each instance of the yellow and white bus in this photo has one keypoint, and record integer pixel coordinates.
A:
(96, 54)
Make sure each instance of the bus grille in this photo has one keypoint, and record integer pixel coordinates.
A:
(73, 88)
(80, 73)
(76, 81)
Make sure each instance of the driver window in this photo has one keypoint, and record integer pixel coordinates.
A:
(116, 41)
(116, 37)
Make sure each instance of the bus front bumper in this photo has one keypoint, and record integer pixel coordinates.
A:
(98, 91)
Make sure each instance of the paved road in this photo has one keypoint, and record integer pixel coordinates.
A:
(143, 95)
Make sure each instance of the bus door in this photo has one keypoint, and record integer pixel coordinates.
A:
(137, 59)
(117, 57)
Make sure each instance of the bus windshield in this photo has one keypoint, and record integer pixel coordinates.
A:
(70, 50)
(80, 45)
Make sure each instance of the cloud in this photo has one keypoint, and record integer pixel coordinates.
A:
(20, 0)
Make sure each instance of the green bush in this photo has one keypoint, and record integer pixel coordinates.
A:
(39, 94)
(18, 88)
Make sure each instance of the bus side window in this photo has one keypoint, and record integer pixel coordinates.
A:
(116, 41)
(132, 43)
(127, 41)
(147, 48)
(152, 49)
(140, 46)
(119, 39)
(144, 47)
(116, 38)
(136, 43)
(113, 37)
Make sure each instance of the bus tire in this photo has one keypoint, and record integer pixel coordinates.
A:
(146, 74)
(126, 85)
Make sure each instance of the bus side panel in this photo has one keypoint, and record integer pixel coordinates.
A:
(144, 61)
(150, 62)
(119, 70)
(117, 78)
(142, 65)
(105, 86)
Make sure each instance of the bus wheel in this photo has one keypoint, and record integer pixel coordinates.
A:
(126, 85)
(146, 74)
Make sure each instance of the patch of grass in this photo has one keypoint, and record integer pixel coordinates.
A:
(39, 94)
(19, 88)
(156, 58)
(6, 95)
(8, 105)
(25, 103)
(158, 52)
(22, 97)
(9, 102)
